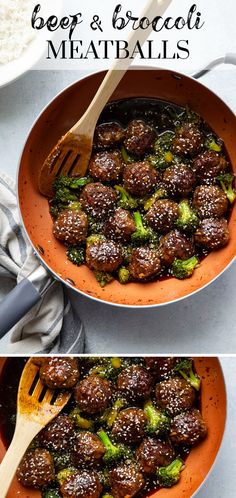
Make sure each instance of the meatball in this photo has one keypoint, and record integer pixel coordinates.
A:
(188, 140)
(179, 180)
(175, 245)
(71, 226)
(98, 200)
(104, 255)
(154, 453)
(108, 135)
(82, 484)
(120, 226)
(58, 435)
(175, 395)
(87, 450)
(212, 233)
(129, 425)
(139, 137)
(106, 166)
(161, 368)
(126, 480)
(93, 394)
(145, 263)
(188, 428)
(59, 372)
(208, 165)
(135, 383)
(210, 201)
(36, 469)
(140, 179)
(162, 215)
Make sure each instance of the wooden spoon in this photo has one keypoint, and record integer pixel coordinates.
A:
(36, 406)
(72, 153)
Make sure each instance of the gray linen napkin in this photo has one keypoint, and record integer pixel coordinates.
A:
(51, 326)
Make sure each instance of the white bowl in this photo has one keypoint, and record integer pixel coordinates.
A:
(35, 50)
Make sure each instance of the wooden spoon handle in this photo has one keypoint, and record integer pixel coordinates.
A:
(24, 434)
(118, 69)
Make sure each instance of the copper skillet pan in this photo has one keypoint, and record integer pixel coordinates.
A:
(54, 121)
(201, 458)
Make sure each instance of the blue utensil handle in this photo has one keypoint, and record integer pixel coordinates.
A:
(16, 304)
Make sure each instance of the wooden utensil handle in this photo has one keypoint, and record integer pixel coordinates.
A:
(119, 68)
(23, 436)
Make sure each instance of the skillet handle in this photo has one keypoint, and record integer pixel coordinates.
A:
(16, 304)
(229, 58)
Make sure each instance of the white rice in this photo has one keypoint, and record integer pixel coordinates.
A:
(15, 28)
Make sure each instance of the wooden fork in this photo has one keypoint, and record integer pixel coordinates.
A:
(36, 406)
(72, 153)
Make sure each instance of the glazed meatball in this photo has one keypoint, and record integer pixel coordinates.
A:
(87, 450)
(104, 255)
(145, 263)
(179, 180)
(139, 137)
(212, 233)
(108, 135)
(36, 469)
(59, 372)
(188, 428)
(162, 215)
(208, 165)
(175, 395)
(93, 394)
(120, 226)
(175, 245)
(135, 383)
(140, 179)
(106, 166)
(161, 368)
(188, 140)
(58, 435)
(71, 226)
(210, 201)
(154, 453)
(126, 480)
(129, 425)
(98, 200)
(82, 484)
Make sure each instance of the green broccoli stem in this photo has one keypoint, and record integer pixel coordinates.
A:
(106, 440)
(138, 221)
(127, 158)
(192, 379)
(170, 475)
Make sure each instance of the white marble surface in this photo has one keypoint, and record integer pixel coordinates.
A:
(204, 323)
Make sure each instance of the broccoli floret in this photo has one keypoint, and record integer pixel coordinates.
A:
(226, 181)
(64, 474)
(103, 278)
(158, 422)
(110, 414)
(211, 144)
(65, 194)
(170, 475)
(141, 234)
(185, 368)
(159, 194)
(76, 255)
(127, 253)
(114, 453)
(123, 275)
(71, 182)
(126, 201)
(94, 238)
(128, 159)
(95, 226)
(187, 219)
(163, 155)
(51, 493)
(61, 461)
(81, 422)
(109, 368)
(184, 269)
